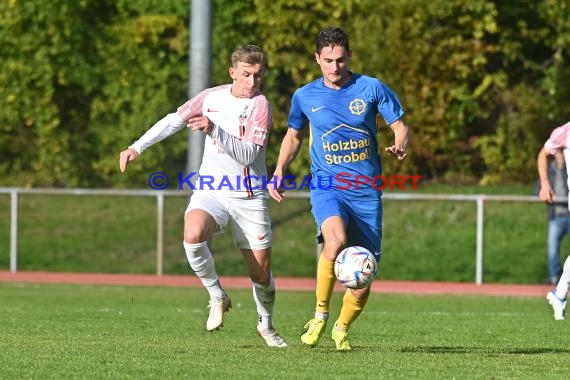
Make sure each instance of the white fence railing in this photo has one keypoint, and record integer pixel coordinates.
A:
(479, 199)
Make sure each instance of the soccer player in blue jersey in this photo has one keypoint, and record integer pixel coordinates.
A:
(340, 109)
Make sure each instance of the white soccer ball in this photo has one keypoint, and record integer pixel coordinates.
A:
(355, 267)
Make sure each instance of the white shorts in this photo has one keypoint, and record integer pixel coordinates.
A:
(248, 217)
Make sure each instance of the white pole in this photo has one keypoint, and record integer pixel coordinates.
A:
(200, 53)
(14, 230)
(159, 232)
(479, 248)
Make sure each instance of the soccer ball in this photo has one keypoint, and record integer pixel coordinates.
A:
(355, 267)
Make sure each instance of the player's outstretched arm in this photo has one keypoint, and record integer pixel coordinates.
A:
(126, 157)
(163, 128)
(288, 151)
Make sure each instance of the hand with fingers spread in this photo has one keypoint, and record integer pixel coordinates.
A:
(399, 153)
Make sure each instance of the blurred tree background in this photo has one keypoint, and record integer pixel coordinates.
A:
(483, 82)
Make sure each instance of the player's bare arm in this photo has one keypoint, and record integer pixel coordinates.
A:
(125, 157)
(401, 132)
(287, 153)
(546, 193)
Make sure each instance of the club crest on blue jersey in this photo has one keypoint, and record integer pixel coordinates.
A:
(357, 107)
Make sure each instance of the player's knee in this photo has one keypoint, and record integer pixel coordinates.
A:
(193, 235)
(198, 227)
(335, 245)
(260, 274)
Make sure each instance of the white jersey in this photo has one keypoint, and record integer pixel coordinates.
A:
(234, 153)
(560, 139)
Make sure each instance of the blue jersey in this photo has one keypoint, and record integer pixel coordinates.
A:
(343, 143)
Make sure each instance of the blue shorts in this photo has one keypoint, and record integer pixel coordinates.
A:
(362, 218)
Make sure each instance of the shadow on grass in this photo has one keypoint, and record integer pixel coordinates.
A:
(484, 350)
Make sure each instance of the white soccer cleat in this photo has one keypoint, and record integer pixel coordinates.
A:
(558, 305)
(272, 338)
(218, 306)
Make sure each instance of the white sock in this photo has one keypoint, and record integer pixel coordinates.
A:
(564, 282)
(202, 263)
(322, 316)
(264, 297)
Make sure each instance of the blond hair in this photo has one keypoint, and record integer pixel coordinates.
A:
(250, 54)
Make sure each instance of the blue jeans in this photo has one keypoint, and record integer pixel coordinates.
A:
(557, 228)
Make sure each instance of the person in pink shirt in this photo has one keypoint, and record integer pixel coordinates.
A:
(559, 140)
(236, 119)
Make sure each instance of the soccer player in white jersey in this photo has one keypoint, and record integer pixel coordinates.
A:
(559, 140)
(236, 119)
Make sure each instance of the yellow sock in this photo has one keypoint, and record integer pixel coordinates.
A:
(325, 284)
(351, 309)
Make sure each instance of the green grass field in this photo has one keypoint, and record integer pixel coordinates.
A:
(114, 332)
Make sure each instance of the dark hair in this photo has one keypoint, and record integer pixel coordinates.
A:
(332, 36)
(250, 54)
